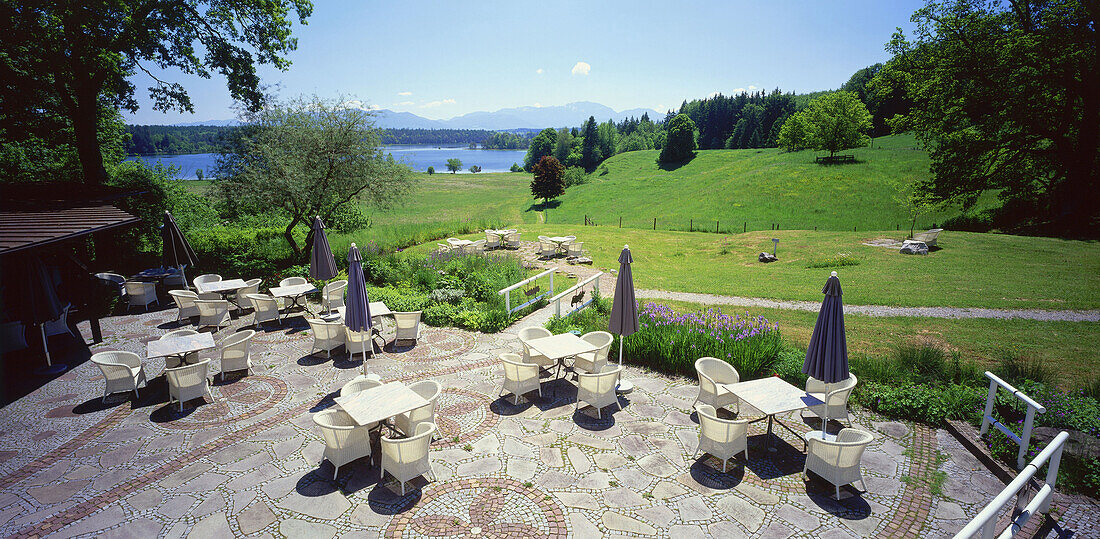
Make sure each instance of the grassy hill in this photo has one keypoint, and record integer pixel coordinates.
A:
(760, 187)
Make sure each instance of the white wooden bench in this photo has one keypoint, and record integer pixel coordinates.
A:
(928, 237)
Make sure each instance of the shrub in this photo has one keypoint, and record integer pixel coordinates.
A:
(248, 252)
(833, 261)
(930, 404)
(574, 176)
(1016, 370)
(516, 168)
(447, 295)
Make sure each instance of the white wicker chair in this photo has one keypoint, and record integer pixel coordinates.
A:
(251, 286)
(478, 246)
(722, 438)
(408, 326)
(289, 281)
(519, 378)
(205, 278)
(837, 461)
(598, 389)
(188, 382)
(548, 249)
(213, 312)
(115, 279)
(712, 372)
(265, 309)
(530, 355)
(835, 396)
(357, 384)
(122, 371)
(359, 342)
(511, 240)
(407, 458)
(409, 421)
(140, 294)
(575, 248)
(185, 302)
(594, 361)
(443, 247)
(235, 353)
(345, 440)
(175, 360)
(332, 295)
(492, 240)
(327, 336)
(60, 325)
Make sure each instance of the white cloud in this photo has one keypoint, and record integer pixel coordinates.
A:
(714, 94)
(738, 90)
(433, 104)
(538, 71)
(357, 104)
(581, 68)
(405, 103)
(751, 87)
(404, 93)
(537, 105)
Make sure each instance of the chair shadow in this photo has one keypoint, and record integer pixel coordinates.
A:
(384, 498)
(707, 471)
(785, 460)
(851, 505)
(173, 325)
(312, 360)
(326, 402)
(171, 411)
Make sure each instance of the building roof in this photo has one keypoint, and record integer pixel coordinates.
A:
(39, 224)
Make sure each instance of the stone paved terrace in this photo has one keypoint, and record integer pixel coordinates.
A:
(247, 463)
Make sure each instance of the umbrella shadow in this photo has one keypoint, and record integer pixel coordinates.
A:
(707, 471)
(851, 505)
(328, 401)
(314, 359)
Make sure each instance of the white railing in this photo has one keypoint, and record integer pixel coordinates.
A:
(507, 291)
(987, 419)
(986, 521)
(556, 300)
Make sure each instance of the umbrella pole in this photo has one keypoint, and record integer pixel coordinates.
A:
(183, 275)
(50, 368)
(624, 386)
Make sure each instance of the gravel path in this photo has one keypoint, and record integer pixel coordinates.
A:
(878, 310)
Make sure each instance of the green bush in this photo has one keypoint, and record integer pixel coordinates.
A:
(574, 176)
(245, 252)
(930, 404)
(833, 261)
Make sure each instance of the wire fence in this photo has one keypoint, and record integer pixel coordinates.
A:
(732, 226)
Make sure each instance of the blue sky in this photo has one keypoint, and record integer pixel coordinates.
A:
(441, 60)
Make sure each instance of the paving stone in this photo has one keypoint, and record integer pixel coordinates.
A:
(146, 499)
(686, 531)
(623, 523)
(482, 466)
(836, 533)
(594, 480)
(555, 480)
(799, 518)
(248, 463)
(83, 472)
(236, 452)
(515, 448)
(286, 448)
(657, 465)
(634, 445)
(211, 502)
(608, 461)
(363, 515)
(949, 510)
(725, 530)
(660, 515)
(51, 474)
(623, 497)
(57, 492)
(633, 478)
(890, 428)
(757, 494)
(186, 474)
(883, 486)
(203, 483)
(578, 500)
(255, 518)
(879, 463)
(590, 441)
(487, 444)
(118, 456)
(693, 509)
(241, 499)
(111, 478)
(863, 527)
(176, 506)
(678, 419)
(139, 528)
(522, 469)
(278, 488)
(253, 478)
(749, 515)
(667, 489)
(776, 530)
(107, 517)
(325, 506)
(214, 525)
(579, 460)
(582, 527)
(295, 528)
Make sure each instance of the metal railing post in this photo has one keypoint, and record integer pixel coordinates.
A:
(990, 399)
(1029, 420)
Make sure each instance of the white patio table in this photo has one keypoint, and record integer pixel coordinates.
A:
(226, 288)
(380, 403)
(773, 396)
(561, 346)
(560, 241)
(294, 291)
(179, 346)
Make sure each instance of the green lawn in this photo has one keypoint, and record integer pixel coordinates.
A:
(971, 270)
(1066, 348)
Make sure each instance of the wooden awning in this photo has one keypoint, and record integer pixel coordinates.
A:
(36, 225)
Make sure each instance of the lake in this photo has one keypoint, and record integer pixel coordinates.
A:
(417, 156)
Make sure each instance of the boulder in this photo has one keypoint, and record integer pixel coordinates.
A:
(767, 257)
(911, 247)
(1079, 445)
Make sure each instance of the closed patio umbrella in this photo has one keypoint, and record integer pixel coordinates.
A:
(624, 308)
(176, 252)
(34, 302)
(321, 264)
(827, 356)
(357, 308)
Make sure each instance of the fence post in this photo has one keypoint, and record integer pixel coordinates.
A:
(552, 283)
(508, 301)
(691, 225)
(746, 228)
(716, 227)
(1029, 421)
(620, 221)
(654, 223)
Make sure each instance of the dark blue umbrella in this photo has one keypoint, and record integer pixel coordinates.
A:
(357, 307)
(32, 299)
(624, 307)
(827, 356)
(322, 266)
(175, 252)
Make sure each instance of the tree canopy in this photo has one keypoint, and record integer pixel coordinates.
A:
(310, 157)
(547, 183)
(832, 122)
(541, 146)
(72, 60)
(680, 141)
(454, 165)
(1005, 96)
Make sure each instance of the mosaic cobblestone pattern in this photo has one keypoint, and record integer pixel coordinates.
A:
(246, 462)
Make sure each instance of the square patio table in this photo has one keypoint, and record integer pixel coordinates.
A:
(179, 345)
(558, 347)
(294, 291)
(560, 241)
(773, 396)
(223, 287)
(380, 403)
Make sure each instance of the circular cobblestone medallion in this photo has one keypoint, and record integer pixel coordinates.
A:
(234, 402)
(488, 507)
(434, 343)
(463, 415)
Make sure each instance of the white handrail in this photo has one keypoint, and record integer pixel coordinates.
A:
(1029, 419)
(507, 291)
(986, 520)
(556, 300)
(523, 282)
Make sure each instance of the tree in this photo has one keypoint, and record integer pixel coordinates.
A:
(1006, 96)
(310, 157)
(680, 141)
(837, 121)
(516, 168)
(547, 183)
(590, 147)
(475, 169)
(431, 170)
(563, 144)
(454, 165)
(792, 136)
(913, 197)
(73, 59)
(608, 138)
(541, 146)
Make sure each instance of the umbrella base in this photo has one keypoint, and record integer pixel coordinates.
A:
(52, 369)
(624, 387)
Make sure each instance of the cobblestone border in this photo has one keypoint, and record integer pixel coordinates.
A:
(915, 503)
(280, 392)
(553, 512)
(490, 421)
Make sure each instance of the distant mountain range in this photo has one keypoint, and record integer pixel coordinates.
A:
(569, 115)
